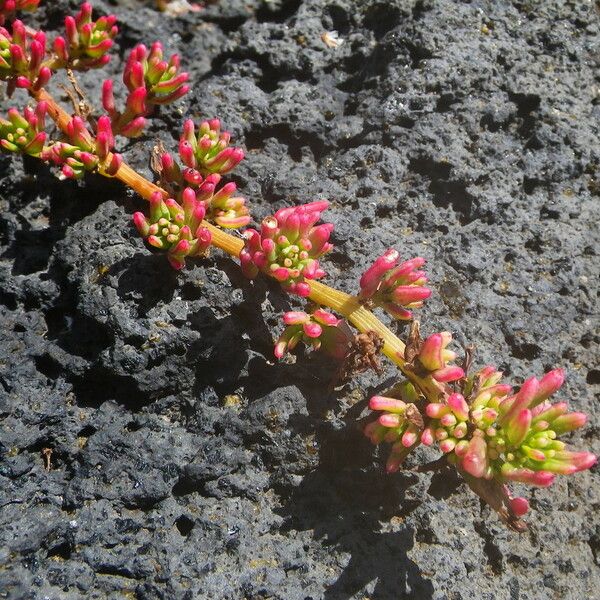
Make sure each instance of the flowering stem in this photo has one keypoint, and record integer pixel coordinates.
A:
(125, 173)
(364, 320)
(344, 304)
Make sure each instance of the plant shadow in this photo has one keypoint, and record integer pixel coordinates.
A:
(348, 504)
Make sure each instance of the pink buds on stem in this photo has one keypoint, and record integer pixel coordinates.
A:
(434, 356)
(174, 227)
(151, 81)
(397, 425)
(24, 132)
(84, 151)
(87, 42)
(224, 207)
(494, 436)
(207, 150)
(161, 78)
(287, 247)
(319, 330)
(9, 7)
(22, 54)
(395, 287)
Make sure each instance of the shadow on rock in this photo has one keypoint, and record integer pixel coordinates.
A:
(147, 279)
(348, 505)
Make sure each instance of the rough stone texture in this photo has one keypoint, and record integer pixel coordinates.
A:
(466, 132)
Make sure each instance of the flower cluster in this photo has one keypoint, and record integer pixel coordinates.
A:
(175, 227)
(399, 425)
(9, 7)
(434, 358)
(208, 151)
(223, 207)
(83, 151)
(492, 436)
(319, 329)
(288, 246)
(395, 287)
(21, 58)
(24, 132)
(508, 437)
(87, 42)
(150, 80)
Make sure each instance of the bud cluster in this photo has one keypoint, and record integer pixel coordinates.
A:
(87, 42)
(319, 329)
(395, 287)
(508, 437)
(288, 246)
(434, 358)
(84, 152)
(175, 227)
(150, 80)
(399, 425)
(21, 58)
(208, 151)
(24, 132)
(223, 206)
(491, 436)
(9, 7)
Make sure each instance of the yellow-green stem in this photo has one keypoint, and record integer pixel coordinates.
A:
(346, 305)
(342, 303)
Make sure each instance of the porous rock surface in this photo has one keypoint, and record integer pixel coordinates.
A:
(185, 462)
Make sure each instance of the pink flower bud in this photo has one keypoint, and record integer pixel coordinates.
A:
(391, 420)
(71, 29)
(371, 279)
(182, 248)
(518, 427)
(525, 396)
(568, 422)
(295, 318)
(519, 506)
(410, 437)
(447, 445)
(430, 355)
(326, 318)
(427, 436)
(448, 374)
(578, 461)
(409, 294)
(474, 461)
(436, 410)
(136, 101)
(448, 420)
(312, 330)
(536, 478)
(388, 404)
(43, 78)
(549, 384)
(141, 223)
(108, 99)
(459, 406)
(301, 288)
(135, 128)
(36, 55)
(548, 412)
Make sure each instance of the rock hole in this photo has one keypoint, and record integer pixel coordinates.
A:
(62, 550)
(184, 525)
(593, 377)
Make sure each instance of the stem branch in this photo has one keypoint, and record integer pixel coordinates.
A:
(344, 304)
